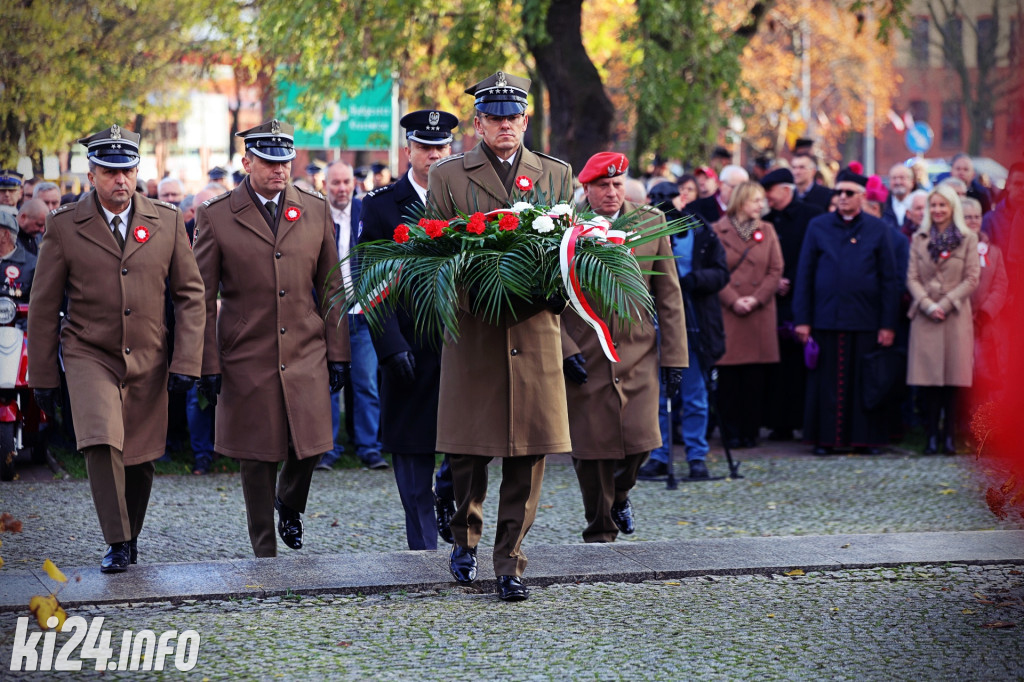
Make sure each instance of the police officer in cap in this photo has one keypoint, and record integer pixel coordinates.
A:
(276, 349)
(220, 176)
(511, 372)
(410, 365)
(113, 254)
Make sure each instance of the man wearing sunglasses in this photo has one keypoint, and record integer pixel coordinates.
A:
(847, 293)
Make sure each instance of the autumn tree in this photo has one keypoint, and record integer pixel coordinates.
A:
(70, 68)
(989, 75)
(847, 66)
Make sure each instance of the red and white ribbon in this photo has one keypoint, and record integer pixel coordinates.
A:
(566, 258)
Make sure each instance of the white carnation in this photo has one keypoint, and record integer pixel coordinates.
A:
(560, 209)
(543, 224)
(521, 206)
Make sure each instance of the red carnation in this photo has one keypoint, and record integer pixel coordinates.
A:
(435, 228)
(509, 221)
(402, 234)
(476, 224)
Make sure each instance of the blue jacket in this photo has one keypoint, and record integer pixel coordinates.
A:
(847, 279)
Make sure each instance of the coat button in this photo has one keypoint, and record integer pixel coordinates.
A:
(282, 368)
(616, 380)
(615, 344)
(281, 293)
(124, 271)
(277, 255)
(514, 352)
(127, 351)
(127, 311)
(124, 384)
(282, 330)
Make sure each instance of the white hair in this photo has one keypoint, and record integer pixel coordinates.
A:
(734, 175)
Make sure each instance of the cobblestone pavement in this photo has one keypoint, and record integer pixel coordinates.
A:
(200, 518)
(913, 623)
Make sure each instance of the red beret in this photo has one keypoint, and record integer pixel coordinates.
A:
(604, 165)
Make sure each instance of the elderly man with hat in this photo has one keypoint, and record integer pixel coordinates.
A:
(613, 407)
(17, 263)
(509, 374)
(112, 255)
(277, 349)
(411, 365)
(789, 216)
(10, 190)
(847, 296)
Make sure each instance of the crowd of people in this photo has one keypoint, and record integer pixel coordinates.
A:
(842, 313)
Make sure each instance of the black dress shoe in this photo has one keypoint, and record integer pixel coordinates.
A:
(462, 564)
(117, 558)
(652, 471)
(511, 588)
(289, 524)
(699, 469)
(932, 447)
(622, 515)
(822, 450)
(445, 512)
(133, 550)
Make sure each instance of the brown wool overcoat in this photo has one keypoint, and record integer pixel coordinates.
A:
(502, 390)
(615, 413)
(753, 338)
(941, 353)
(114, 340)
(270, 342)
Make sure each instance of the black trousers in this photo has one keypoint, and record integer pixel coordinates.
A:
(740, 399)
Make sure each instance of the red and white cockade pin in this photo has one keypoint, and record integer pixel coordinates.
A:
(944, 254)
(12, 272)
(758, 235)
(292, 214)
(524, 183)
(141, 234)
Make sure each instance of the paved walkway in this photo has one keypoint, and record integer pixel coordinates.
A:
(896, 571)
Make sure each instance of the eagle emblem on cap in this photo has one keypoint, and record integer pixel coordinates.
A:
(115, 132)
(501, 82)
(611, 171)
(434, 118)
(275, 127)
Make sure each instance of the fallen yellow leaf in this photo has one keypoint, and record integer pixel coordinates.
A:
(795, 571)
(947, 491)
(844, 546)
(967, 612)
(44, 608)
(54, 572)
(682, 523)
(771, 615)
(674, 584)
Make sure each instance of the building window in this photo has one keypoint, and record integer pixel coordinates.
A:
(987, 41)
(951, 123)
(919, 110)
(953, 41)
(919, 41)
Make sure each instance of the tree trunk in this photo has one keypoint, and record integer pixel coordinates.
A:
(580, 114)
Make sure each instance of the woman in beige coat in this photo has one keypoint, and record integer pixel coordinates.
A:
(941, 275)
(754, 258)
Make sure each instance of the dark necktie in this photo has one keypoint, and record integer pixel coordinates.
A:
(271, 209)
(115, 227)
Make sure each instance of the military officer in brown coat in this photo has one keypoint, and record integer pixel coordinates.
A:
(110, 253)
(270, 358)
(502, 393)
(613, 407)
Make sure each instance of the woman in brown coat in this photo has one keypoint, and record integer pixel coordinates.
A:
(941, 275)
(986, 302)
(748, 310)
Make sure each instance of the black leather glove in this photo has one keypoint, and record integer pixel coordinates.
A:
(179, 383)
(47, 399)
(338, 374)
(573, 367)
(672, 377)
(209, 387)
(402, 365)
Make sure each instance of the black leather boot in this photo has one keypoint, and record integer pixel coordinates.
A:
(932, 448)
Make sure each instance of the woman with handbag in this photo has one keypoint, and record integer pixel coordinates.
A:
(942, 274)
(755, 264)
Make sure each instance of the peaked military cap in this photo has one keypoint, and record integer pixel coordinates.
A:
(501, 94)
(378, 167)
(217, 173)
(429, 127)
(314, 168)
(10, 178)
(273, 141)
(114, 147)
